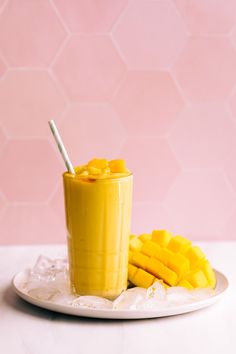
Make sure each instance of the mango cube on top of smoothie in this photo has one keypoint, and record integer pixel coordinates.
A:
(103, 168)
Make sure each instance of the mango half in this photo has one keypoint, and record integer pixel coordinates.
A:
(173, 260)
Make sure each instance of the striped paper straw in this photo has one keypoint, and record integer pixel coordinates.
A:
(61, 146)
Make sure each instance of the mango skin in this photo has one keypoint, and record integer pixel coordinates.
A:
(172, 260)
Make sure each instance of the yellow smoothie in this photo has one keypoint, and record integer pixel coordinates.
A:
(98, 202)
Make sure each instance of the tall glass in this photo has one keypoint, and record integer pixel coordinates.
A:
(98, 214)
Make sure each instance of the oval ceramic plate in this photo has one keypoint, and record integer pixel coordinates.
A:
(221, 287)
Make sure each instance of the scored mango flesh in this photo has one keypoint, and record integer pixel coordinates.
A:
(173, 260)
(102, 168)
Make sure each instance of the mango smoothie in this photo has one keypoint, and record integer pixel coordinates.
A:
(98, 202)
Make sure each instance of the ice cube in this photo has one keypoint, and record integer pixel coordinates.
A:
(157, 291)
(92, 302)
(44, 293)
(65, 298)
(153, 304)
(177, 295)
(130, 299)
(49, 270)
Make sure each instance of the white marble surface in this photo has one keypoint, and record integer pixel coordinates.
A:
(25, 329)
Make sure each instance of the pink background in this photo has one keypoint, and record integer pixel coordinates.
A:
(151, 81)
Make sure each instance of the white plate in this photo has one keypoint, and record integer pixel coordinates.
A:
(221, 287)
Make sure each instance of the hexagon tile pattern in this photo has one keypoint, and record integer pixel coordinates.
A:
(30, 33)
(29, 170)
(192, 131)
(148, 102)
(83, 16)
(28, 100)
(155, 168)
(154, 43)
(206, 68)
(199, 201)
(89, 68)
(153, 82)
(207, 16)
(2, 68)
(96, 131)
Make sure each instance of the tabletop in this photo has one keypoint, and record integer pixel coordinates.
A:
(26, 329)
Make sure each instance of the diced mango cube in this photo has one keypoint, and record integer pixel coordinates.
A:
(98, 163)
(139, 260)
(135, 244)
(175, 261)
(117, 166)
(179, 244)
(94, 170)
(185, 284)
(131, 271)
(150, 248)
(84, 173)
(158, 269)
(161, 237)
(163, 255)
(194, 254)
(209, 273)
(78, 169)
(130, 255)
(143, 278)
(145, 237)
(197, 279)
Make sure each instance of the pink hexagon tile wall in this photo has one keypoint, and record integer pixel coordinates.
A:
(83, 16)
(206, 68)
(148, 102)
(57, 202)
(200, 203)
(3, 138)
(153, 43)
(2, 2)
(229, 167)
(230, 226)
(147, 217)
(233, 38)
(150, 81)
(192, 130)
(89, 68)
(29, 170)
(30, 33)
(28, 224)
(155, 168)
(208, 16)
(2, 68)
(28, 100)
(232, 104)
(2, 204)
(91, 130)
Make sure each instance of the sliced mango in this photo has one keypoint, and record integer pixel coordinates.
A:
(158, 269)
(171, 259)
(141, 278)
(150, 248)
(135, 244)
(145, 237)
